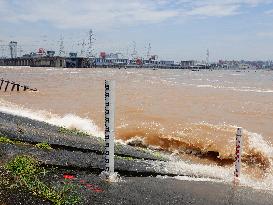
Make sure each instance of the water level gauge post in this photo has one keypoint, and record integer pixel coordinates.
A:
(109, 125)
(238, 155)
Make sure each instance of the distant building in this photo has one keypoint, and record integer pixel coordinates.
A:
(111, 55)
(102, 55)
(103, 62)
(166, 63)
(120, 61)
(50, 53)
(150, 63)
(244, 66)
(49, 62)
(41, 52)
(72, 55)
(186, 64)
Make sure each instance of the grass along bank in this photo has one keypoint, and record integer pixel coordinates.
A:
(25, 171)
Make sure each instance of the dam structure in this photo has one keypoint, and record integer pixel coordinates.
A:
(47, 58)
(73, 61)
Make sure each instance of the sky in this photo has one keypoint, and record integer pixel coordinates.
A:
(176, 29)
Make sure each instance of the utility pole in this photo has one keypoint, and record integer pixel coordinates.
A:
(61, 51)
(127, 52)
(149, 51)
(13, 49)
(2, 51)
(207, 59)
(83, 48)
(20, 51)
(134, 54)
(90, 44)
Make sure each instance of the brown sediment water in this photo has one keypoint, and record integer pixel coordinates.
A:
(194, 114)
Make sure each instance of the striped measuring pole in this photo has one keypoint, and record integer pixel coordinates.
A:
(109, 125)
(238, 154)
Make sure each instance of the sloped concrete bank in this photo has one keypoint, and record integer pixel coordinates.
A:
(79, 156)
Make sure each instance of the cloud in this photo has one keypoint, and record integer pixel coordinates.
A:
(99, 13)
(265, 34)
(105, 14)
(214, 10)
(269, 12)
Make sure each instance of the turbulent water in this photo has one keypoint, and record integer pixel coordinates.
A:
(190, 114)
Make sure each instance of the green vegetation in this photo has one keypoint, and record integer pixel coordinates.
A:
(143, 150)
(118, 147)
(26, 170)
(157, 155)
(6, 140)
(101, 140)
(124, 158)
(101, 144)
(74, 131)
(44, 145)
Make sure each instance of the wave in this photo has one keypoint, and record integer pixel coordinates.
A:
(194, 140)
(205, 86)
(257, 152)
(243, 89)
(199, 172)
(70, 121)
(250, 157)
(238, 89)
(215, 144)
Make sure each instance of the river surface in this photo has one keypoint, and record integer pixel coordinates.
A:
(189, 114)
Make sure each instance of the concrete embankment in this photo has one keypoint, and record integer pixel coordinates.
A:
(79, 156)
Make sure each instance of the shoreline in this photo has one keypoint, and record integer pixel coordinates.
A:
(237, 69)
(80, 156)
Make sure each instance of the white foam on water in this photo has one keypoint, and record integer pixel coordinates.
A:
(110, 177)
(205, 86)
(188, 171)
(192, 170)
(257, 142)
(187, 178)
(261, 184)
(251, 90)
(242, 89)
(69, 121)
